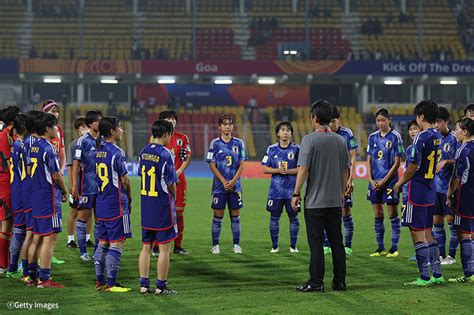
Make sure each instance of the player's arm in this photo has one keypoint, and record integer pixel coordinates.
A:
(352, 154)
(369, 171)
(126, 186)
(216, 172)
(270, 170)
(75, 175)
(442, 164)
(237, 175)
(301, 177)
(58, 178)
(409, 173)
(172, 189)
(62, 159)
(453, 185)
(391, 172)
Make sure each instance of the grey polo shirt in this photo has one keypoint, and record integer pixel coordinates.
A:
(326, 156)
(70, 152)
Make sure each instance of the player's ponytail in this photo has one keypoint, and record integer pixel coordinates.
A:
(467, 125)
(107, 124)
(19, 124)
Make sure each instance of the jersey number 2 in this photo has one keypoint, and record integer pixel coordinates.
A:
(152, 189)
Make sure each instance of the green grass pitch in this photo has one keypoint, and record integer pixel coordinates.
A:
(254, 282)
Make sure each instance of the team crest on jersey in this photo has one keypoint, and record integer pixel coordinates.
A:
(291, 156)
(179, 142)
(447, 147)
(235, 149)
(388, 144)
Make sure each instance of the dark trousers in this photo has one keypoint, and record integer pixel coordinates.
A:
(318, 220)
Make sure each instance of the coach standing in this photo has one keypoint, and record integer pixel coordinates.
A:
(324, 162)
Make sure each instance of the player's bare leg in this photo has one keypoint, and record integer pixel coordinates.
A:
(162, 269)
(379, 231)
(178, 249)
(235, 223)
(46, 256)
(216, 230)
(24, 254)
(396, 229)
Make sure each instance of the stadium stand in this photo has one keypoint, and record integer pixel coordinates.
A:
(11, 17)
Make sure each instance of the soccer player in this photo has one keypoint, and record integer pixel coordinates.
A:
(84, 160)
(158, 212)
(384, 151)
(48, 193)
(226, 157)
(420, 173)
(181, 149)
(17, 171)
(81, 129)
(352, 146)
(469, 111)
(462, 185)
(6, 139)
(51, 107)
(444, 171)
(112, 206)
(280, 161)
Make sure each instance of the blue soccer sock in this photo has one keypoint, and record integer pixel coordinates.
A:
(99, 263)
(467, 257)
(161, 284)
(235, 223)
(274, 230)
(422, 251)
(16, 244)
(144, 282)
(44, 274)
(379, 232)
(348, 230)
(294, 230)
(24, 264)
(216, 230)
(440, 237)
(81, 235)
(434, 259)
(33, 270)
(326, 240)
(112, 264)
(453, 240)
(396, 226)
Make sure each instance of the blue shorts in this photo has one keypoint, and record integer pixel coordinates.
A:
(48, 225)
(19, 218)
(87, 202)
(417, 217)
(232, 199)
(28, 214)
(159, 237)
(114, 230)
(464, 225)
(276, 205)
(385, 196)
(348, 201)
(440, 207)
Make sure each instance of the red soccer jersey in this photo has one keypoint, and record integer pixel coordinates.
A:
(58, 141)
(5, 145)
(179, 141)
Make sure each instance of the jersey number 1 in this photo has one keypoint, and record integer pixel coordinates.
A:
(152, 189)
(431, 166)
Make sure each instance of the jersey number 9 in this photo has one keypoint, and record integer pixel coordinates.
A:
(103, 174)
(380, 154)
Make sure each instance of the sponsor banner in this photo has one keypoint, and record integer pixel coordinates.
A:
(8, 66)
(407, 68)
(270, 95)
(59, 66)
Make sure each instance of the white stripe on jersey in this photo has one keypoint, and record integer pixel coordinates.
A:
(465, 175)
(162, 181)
(46, 170)
(115, 179)
(348, 131)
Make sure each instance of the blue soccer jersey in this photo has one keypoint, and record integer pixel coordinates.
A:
(465, 173)
(227, 156)
(26, 182)
(112, 200)
(347, 134)
(383, 151)
(425, 153)
(448, 152)
(45, 193)
(157, 172)
(281, 186)
(17, 171)
(405, 187)
(85, 153)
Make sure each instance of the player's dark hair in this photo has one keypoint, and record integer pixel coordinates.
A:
(466, 124)
(427, 108)
(9, 114)
(160, 128)
(107, 124)
(323, 110)
(469, 108)
(412, 123)
(79, 122)
(48, 104)
(32, 120)
(168, 114)
(443, 114)
(281, 124)
(383, 112)
(335, 112)
(44, 121)
(224, 117)
(19, 124)
(92, 116)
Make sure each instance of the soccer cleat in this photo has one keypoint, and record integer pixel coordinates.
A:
(24, 279)
(117, 289)
(100, 286)
(275, 250)
(180, 251)
(237, 249)
(392, 254)
(215, 250)
(15, 274)
(462, 279)
(56, 261)
(439, 280)
(144, 290)
(72, 244)
(419, 282)
(165, 291)
(348, 250)
(89, 243)
(448, 260)
(327, 250)
(85, 257)
(2, 270)
(294, 250)
(379, 253)
(155, 252)
(30, 282)
(49, 284)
